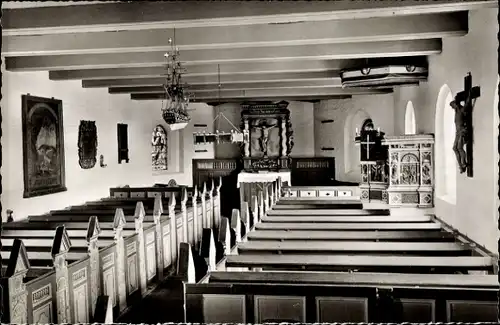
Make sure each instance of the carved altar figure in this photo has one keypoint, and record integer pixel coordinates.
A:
(462, 130)
(160, 149)
(264, 138)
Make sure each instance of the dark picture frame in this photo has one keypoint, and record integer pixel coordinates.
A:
(43, 146)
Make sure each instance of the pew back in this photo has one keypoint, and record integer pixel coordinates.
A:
(257, 297)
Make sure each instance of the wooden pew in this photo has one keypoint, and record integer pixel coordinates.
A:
(365, 263)
(210, 198)
(122, 263)
(115, 259)
(349, 226)
(62, 288)
(327, 212)
(339, 218)
(315, 297)
(335, 235)
(354, 247)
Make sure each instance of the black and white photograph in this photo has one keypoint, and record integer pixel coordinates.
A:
(249, 162)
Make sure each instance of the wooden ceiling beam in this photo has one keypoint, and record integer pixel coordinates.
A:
(258, 93)
(329, 83)
(229, 68)
(314, 99)
(183, 14)
(397, 28)
(206, 69)
(325, 76)
(260, 54)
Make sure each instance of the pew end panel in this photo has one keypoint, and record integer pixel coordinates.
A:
(104, 311)
(80, 290)
(108, 276)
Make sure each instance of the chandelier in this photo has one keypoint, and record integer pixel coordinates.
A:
(175, 106)
(234, 136)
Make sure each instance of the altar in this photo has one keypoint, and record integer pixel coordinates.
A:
(250, 183)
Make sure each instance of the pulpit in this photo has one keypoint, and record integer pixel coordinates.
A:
(271, 136)
(411, 166)
(373, 163)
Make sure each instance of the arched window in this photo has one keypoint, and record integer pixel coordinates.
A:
(159, 154)
(446, 164)
(410, 126)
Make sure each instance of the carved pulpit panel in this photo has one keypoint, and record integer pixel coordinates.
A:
(270, 130)
(373, 161)
(411, 180)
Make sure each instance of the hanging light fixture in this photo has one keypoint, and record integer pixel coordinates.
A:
(175, 106)
(234, 136)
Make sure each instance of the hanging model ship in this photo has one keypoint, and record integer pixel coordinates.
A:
(174, 111)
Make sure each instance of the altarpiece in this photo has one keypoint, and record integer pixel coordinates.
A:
(268, 150)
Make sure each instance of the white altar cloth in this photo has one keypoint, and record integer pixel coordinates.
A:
(267, 177)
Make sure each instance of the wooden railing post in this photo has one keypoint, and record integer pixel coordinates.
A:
(279, 188)
(17, 294)
(204, 206)
(208, 250)
(211, 219)
(261, 205)
(173, 228)
(266, 197)
(245, 217)
(118, 224)
(217, 215)
(139, 215)
(236, 224)
(194, 199)
(255, 210)
(185, 226)
(60, 248)
(157, 213)
(93, 231)
(185, 265)
(225, 235)
(271, 196)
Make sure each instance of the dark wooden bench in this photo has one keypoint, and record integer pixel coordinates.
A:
(253, 297)
(365, 263)
(369, 235)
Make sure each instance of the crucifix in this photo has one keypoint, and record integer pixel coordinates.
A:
(463, 124)
(367, 143)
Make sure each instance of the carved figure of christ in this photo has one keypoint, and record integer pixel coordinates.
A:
(265, 137)
(463, 125)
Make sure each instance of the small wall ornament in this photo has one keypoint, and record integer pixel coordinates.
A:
(87, 144)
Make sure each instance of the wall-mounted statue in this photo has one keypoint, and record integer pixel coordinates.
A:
(463, 125)
(87, 144)
(159, 154)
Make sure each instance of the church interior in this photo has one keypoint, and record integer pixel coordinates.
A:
(249, 162)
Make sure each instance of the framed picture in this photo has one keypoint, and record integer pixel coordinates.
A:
(43, 146)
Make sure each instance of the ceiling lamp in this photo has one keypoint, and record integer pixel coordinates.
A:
(175, 106)
(383, 76)
(234, 136)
